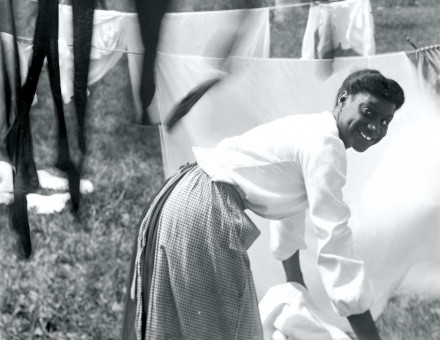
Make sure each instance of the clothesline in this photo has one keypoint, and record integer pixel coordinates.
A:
(98, 48)
(302, 4)
(140, 53)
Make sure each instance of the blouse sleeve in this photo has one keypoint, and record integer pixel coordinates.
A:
(342, 273)
(287, 236)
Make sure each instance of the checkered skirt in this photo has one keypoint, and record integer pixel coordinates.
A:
(201, 286)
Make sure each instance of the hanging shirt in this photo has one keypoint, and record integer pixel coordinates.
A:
(284, 167)
(334, 29)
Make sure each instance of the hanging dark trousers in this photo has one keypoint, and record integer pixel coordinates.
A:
(46, 45)
(150, 13)
(82, 11)
(19, 145)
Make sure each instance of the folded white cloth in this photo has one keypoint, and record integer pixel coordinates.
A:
(288, 312)
(49, 181)
(47, 204)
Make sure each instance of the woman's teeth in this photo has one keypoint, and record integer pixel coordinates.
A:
(368, 138)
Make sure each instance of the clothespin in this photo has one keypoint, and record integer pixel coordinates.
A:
(408, 40)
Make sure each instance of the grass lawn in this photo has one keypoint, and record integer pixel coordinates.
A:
(74, 285)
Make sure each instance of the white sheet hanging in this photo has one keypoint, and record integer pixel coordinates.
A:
(210, 34)
(335, 27)
(393, 189)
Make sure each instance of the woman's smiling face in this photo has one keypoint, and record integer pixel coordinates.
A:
(362, 119)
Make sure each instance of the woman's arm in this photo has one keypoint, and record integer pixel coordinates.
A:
(363, 326)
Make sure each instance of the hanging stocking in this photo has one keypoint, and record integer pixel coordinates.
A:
(150, 13)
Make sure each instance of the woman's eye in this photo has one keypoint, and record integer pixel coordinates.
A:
(368, 112)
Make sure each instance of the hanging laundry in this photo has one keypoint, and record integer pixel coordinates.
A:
(150, 14)
(338, 29)
(246, 34)
(116, 32)
(113, 33)
(19, 147)
(211, 34)
(82, 37)
(26, 179)
(4, 107)
(428, 65)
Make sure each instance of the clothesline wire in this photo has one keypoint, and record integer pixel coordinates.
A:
(140, 53)
(96, 47)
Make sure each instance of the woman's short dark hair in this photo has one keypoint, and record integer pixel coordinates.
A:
(373, 82)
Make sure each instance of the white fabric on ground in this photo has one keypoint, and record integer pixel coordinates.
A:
(393, 189)
(49, 181)
(335, 27)
(47, 204)
(41, 204)
(288, 312)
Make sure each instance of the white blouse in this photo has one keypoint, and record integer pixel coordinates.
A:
(283, 168)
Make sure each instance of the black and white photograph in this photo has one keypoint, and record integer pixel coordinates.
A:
(219, 170)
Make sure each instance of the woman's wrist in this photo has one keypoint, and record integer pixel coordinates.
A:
(363, 326)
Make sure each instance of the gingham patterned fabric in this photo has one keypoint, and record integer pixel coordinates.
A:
(202, 286)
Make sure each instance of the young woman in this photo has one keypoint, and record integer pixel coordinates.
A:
(190, 276)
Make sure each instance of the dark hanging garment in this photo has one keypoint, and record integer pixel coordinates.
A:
(17, 137)
(82, 11)
(82, 39)
(26, 179)
(150, 13)
(19, 100)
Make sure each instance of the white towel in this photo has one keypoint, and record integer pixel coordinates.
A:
(288, 312)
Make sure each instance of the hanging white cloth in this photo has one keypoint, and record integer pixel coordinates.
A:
(212, 33)
(113, 33)
(24, 52)
(334, 28)
(7, 62)
(428, 66)
(393, 189)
